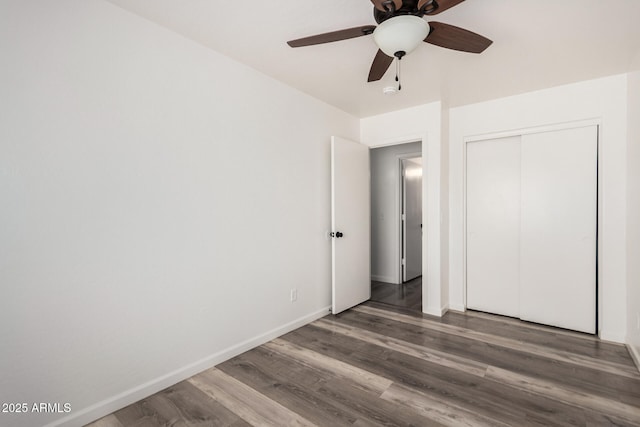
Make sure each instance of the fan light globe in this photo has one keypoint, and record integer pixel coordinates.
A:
(400, 34)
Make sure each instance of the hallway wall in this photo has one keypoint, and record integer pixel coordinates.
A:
(385, 214)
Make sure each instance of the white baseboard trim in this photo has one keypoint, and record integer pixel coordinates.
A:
(635, 354)
(460, 308)
(385, 279)
(127, 397)
(612, 337)
(436, 311)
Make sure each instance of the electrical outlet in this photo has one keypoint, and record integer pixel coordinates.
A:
(294, 295)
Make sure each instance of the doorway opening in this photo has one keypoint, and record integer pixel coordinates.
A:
(396, 225)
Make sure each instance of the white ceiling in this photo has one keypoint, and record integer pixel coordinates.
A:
(537, 44)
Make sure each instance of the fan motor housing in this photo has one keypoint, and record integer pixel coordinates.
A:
(409, 7)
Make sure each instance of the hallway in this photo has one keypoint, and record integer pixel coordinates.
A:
(407, 295)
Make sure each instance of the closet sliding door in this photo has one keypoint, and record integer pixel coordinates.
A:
(531, 227)
(558, 228)
(493, 225)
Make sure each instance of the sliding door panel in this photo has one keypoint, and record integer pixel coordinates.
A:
(493, 225)
(558, 228)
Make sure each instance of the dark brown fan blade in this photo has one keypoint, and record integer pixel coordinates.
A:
(334, 36)
(438, 5)
(386, 5)
(381, 64)
(450, 37)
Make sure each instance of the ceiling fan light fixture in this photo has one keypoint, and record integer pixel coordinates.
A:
(400, 34)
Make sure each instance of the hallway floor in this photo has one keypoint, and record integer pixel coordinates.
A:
(408, 294)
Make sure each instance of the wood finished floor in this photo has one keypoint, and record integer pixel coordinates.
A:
(380, 365)
(407, 294)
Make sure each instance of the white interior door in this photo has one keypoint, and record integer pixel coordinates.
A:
(558, 228)
(493, 225)
(412, 221)
(350, 222)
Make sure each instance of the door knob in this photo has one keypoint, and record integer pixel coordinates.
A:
(339, 234)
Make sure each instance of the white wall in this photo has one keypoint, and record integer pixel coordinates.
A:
(408, 125)
(385, 210)
(444, 208)
(603, 100)
(159, 201)
(633, 216)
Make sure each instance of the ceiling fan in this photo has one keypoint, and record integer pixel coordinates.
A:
(401, 29)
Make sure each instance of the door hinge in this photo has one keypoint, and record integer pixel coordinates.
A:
(404, 261)
(404, 217)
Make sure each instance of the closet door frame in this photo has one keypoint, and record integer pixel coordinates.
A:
(528, 131)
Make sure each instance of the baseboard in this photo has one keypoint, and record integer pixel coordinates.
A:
(635, 354)
(112, 404)
(612, 337)
(459, 308)
(436, 311)
(385, 279)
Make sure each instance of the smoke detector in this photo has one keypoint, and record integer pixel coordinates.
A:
(390, 90)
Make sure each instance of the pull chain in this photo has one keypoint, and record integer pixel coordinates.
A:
(398, 73)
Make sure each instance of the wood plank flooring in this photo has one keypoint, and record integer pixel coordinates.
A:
(380, 365)
(407, 294)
